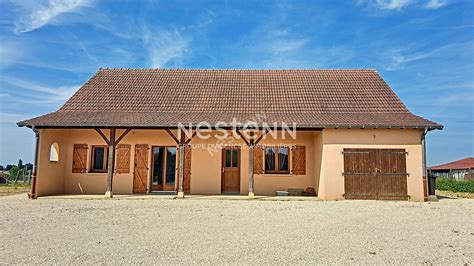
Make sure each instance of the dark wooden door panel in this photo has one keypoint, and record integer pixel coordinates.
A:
(359, 180)
(392, 174)
(375, 174)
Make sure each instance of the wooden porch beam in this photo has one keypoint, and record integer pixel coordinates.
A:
(192, 136)
(123, 135)
(242, 136)
(103, 135)
(111, 163)
(181, 164)
(251, 163)
(172, 135)
(261, 136)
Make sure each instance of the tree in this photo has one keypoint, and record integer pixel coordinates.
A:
(20, 164)
(8, 167)
(29, 166)
(1, 168)
(13, 172)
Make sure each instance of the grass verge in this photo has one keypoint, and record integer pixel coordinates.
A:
(10, 189)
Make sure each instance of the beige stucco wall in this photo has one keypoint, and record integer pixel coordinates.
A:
(331, 183)
(267, 184)
(57, 177)
(324, 161)
(50, 174)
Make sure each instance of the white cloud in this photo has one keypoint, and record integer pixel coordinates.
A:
(398, 60)
(163, 46)
(11, 117)
(287, 45)
(457, 98)
(400, 4)
(435, 4)
(10, 52)
(52, 94)
(393, 4)
(37, 14)
(400, 57)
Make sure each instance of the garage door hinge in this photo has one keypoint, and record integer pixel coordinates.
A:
(355, 152)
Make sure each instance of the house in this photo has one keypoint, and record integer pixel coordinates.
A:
(343, 132)
(459, 170)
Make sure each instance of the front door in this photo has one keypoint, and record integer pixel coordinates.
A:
(230, 170)
(163, 170)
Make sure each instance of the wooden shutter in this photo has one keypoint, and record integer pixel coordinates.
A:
(258, 160)
(298, 160)
(79, 158)
(140, 175)
(123, 159)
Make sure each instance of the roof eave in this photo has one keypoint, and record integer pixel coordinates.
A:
(84, 126)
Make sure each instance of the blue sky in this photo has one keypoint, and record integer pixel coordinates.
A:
(424, 49)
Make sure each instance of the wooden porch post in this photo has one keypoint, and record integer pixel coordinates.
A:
(251, 162)
(111, 163)
(181, 145)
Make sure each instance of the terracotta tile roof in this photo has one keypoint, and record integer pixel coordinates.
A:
(456, 165)
(164, 97)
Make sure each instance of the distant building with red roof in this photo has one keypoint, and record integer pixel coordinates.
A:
(459, 170)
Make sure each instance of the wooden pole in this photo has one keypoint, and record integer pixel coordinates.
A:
(111, 164)
(34, 174)
(181, 164)
(251, 162)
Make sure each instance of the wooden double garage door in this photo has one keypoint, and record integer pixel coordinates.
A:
(375, 174)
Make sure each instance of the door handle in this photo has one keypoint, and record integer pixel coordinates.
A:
(223, 169)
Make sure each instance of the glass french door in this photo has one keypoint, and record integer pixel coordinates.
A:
(163, 169)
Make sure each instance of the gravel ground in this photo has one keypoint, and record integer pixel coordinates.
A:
(73, 231)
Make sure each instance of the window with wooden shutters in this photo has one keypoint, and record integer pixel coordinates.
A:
(276, 160)
(122, 165)
(299, 160)
(79, 160)
(258, 160)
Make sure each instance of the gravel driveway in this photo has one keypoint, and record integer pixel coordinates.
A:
(229, 231)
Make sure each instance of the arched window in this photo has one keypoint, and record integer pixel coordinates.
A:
(54, 153)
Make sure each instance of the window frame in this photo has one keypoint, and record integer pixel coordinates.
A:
(105, 164)
(165, 165)
(54, 153)
(276, 159)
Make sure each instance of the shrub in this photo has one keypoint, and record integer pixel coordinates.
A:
(454, 186)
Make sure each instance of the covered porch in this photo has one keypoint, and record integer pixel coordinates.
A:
(75, 161)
